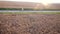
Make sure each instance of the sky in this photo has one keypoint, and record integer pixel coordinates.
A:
(38, 1)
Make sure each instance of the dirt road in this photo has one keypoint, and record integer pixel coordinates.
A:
(29, 24)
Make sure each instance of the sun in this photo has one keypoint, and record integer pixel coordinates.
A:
(45, 4)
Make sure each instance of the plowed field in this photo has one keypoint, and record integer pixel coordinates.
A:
(29, 24)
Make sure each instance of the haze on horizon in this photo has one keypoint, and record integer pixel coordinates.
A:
(37, 1)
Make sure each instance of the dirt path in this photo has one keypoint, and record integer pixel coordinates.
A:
(29, 24)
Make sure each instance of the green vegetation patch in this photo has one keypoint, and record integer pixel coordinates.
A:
(29, 12)
(10, 9)
(30, 9)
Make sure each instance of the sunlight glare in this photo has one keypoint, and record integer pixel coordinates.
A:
(45, 4)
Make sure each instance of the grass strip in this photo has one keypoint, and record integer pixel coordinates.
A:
(29, 12)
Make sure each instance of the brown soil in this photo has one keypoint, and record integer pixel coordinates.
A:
(29, 24)
(13, 4)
